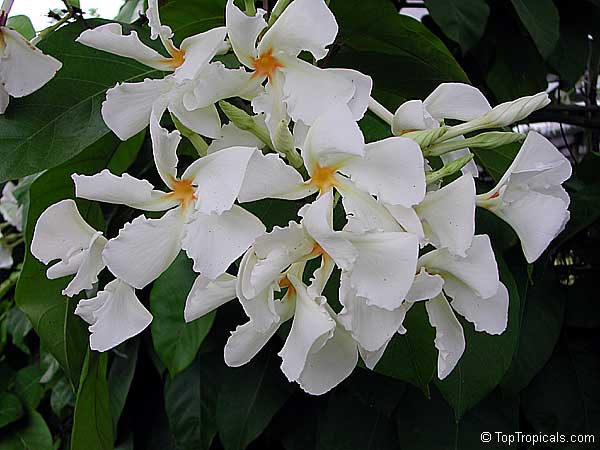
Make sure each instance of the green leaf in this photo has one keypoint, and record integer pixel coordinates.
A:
(424, 424)
(130, 11)
(120, 377)
(28, 387)
(541, 324)
(412, 356)
(92, 424)
(486, 358)
(187, 18)
(541, 19)
(23, 25)
(175, 341)
(62, 333)
(191, 402)
(463, 21)
(403, 57)
(363, 427)
(11, 409)
(63, 118)
(31, 433)
(62, 396)
(18, 326)
(126, 153)
(569, 57)
(249, 398)
(565, 396)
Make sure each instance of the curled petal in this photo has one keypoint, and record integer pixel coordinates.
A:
(115, 315)
(412, 115)
(207, 295)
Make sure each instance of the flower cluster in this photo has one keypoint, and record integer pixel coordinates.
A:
(407, 237)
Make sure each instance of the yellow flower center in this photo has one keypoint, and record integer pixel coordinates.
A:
(285, 283)
(324, 178)
(183, 192)
(266, 65)
(177, 56)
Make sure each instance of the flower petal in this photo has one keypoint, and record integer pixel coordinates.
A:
(164, 149)
(477, 271)
(204, 121)
(219, 177)
(232, 136)
(275, 251)
(371, 358)
(489, 315)
(309, 90)
(145, 248)
(412, 115)
(317, 221)
(392, 169)
(23, 68)
(207, 295)
(199, 50)
(409, 221)
(123, 190)
(243, 32)
(524, 214)
(157, 29)
(333, 139)
(425, 286)
(457, 101)
(449, 335)
(312, 327)
(60, 232)
(271, 103)
(448, 215)
(214, 241)
(268, 176)
(363, 84)
(110, 38)
(304, 25)
(115, 315)
(331, 365)
(370, 326)
(90, 266)
(127, 108)
(384, 269)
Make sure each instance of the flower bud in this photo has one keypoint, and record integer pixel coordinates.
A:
(425, 138)
(283, 143)
(508, 113)
(244, 121)
(449, 169)
(483, 141)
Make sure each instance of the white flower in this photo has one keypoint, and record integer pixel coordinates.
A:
(477, 294)
(294, 86)
(115, 314)
(379, 265)
(336, 156)
(530, 198)
(10, 208)
(61, 233)
(128, 106)
(448, 101)
(445, 217)
(23, 68)
(201, 217)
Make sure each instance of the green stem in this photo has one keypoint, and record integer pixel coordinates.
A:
(244, 121)
(483, 141)
(17, 242)
(46, 32)
(12, 279)
(250, 7)
(278, 10)
(199, 144)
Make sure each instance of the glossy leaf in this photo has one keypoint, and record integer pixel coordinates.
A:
(28, 387)
(11, 409)
(62, 333)
(187, 18)
(249, 398)
(541, 19)
(404, 59)
(486, 358)
(92, 424)
(120, 377)
(175, 341)
(30, 433)
(63, 118)
(462, 21)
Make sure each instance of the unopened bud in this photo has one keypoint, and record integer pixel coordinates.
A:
(283, 142)
(483, 141)
(425, 138)
(449, 169)
(244, 121)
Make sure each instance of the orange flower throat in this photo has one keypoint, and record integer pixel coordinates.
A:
(266, 65)
(324, 178)
(183, 192)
